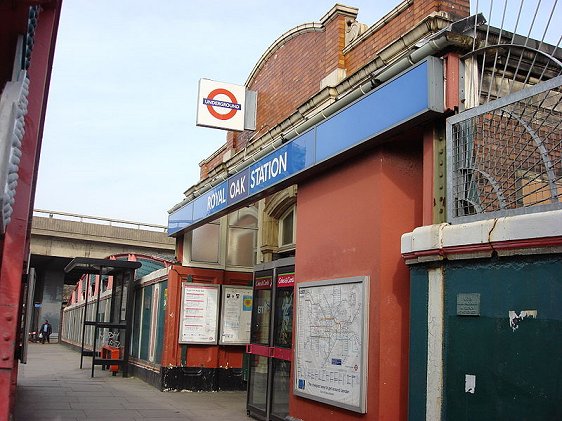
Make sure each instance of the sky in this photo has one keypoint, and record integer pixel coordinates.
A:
(120, 139)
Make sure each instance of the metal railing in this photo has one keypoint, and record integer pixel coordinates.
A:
(517, 48)
(67, 216)
(503, 150)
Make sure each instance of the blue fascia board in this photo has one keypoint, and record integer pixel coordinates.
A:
(410, 94)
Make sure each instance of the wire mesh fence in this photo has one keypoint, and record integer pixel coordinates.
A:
(504, 157)
(503, 148)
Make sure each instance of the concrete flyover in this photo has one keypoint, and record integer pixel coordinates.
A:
(58, 237)
(61, 234)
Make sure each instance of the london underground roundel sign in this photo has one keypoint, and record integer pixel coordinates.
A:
(221, 105)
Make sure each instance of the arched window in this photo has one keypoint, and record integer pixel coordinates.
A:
(287, 232)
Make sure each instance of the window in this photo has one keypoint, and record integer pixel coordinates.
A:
(205, 243)
(92, 285)
(104, 283)
(287, 229)
(242, 237)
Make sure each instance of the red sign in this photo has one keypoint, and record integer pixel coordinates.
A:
(263, 282)
(286, 280)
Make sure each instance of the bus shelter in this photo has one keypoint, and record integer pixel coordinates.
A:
(112, 334)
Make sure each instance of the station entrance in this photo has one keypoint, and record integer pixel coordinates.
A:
(270, 349)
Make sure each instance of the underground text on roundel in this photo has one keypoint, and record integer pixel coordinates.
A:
(223, 104)
(233, 106)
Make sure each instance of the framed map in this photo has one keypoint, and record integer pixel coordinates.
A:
(331, 342)
(236, 315)
(199, 314)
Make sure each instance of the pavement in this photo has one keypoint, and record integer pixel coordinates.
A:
(52, 387)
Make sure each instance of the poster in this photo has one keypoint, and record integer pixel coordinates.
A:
(236, 315)
(331, 342)
(199, 314)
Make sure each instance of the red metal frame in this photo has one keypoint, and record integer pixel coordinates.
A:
(282, 353)
(261, 350)
(15, 244)
(270, 352)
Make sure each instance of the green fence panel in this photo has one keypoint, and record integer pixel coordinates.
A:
(146, 319)
(503, 339)
(160, 324)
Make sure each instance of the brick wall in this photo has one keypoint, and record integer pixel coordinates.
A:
(292, 74)
(289, 77)
(402, 23)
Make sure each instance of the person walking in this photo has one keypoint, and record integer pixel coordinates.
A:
(45, 332)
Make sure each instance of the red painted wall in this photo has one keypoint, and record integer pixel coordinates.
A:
(212, 356)
(349, 223)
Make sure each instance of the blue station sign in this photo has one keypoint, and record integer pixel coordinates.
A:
(413, 93)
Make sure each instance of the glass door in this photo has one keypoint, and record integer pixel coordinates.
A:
(282, 349)
(259, 344)
(270, 348)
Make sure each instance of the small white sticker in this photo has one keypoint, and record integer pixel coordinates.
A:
(515, 319)
(469, 383)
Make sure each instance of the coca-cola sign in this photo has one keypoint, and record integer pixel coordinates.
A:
(286, 280)
(263, 282)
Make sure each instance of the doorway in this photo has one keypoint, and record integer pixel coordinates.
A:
(271, 349)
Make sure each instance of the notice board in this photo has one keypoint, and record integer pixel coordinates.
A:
(236, 315)
(331, 342)
(199, 314)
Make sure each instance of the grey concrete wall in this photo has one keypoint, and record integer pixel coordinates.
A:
(51, 285)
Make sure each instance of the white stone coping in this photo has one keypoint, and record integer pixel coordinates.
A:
(475, 239)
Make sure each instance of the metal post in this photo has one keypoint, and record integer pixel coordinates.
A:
(83, 328)
(128, 320)
(96, 320)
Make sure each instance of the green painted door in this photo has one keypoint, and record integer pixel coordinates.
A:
(504, 363)
(160, 322)
(135, 345)
(146, 319)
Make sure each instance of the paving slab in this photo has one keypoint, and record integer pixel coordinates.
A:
(52, 387)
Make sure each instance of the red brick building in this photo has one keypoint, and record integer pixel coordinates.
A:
(336, 100)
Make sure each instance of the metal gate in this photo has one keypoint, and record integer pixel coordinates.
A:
(504, 147)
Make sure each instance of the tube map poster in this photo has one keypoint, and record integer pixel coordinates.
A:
(331, 342)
